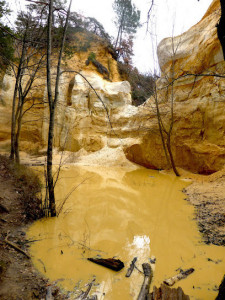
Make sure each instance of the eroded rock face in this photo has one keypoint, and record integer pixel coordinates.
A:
(87, 116)
(198, 136)
(92, 113)
(82, 121)
(80, 117)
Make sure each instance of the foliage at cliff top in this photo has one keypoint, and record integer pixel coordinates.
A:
(82, 33)
(6, 40)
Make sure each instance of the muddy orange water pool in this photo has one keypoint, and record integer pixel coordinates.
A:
(124, 213)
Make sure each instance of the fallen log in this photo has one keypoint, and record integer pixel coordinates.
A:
(16, 248)
(165, 292)
(183, 274)
(131, 268)
(144, 292)
(110, 263)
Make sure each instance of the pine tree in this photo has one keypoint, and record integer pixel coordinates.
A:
(127, 19)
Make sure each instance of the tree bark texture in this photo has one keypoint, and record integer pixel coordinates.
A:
(166, 293)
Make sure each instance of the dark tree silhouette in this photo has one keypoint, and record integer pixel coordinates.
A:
(221, 27)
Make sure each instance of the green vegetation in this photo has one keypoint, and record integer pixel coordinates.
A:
(142, 85)
(82, 31)
(6, 40)
(127, 20)
(100, 68)
(92, 56)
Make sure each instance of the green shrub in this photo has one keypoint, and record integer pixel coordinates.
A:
(92, 56)
(142, 85)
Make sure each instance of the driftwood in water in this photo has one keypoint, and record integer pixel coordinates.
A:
(110, 263)
(131, 268)
(167, 293)
(183, 274)
(85, 294)
(144, 292)
(221, 294)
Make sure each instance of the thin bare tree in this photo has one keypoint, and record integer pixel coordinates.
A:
(53, 100)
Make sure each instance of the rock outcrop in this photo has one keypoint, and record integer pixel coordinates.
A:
(78, 112)
(198, 136)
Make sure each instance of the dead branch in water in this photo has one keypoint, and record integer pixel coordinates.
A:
(131, 268)
(183, 274)
(144, 292)
(110, 263)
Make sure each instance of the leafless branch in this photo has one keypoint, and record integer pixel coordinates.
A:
(149, 13)
(69, 194)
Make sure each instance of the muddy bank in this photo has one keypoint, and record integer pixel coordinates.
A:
(206, 193)
(19, 206)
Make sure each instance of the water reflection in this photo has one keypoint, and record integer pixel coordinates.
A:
(124, 214)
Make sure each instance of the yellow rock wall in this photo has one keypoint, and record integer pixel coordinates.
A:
(198, 136)
(35, 122)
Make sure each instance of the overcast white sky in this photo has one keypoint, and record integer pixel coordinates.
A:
(169, 14)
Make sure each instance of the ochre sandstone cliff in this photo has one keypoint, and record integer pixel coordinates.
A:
(34, 129)
(198, 136)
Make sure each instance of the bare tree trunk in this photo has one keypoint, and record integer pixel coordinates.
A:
(171, 156)
(13, 121)
(166, 144)
(120, 31)
(161, 127)
(172, 119)
(17, 137)
(13, 117)
(51, 192)
(51, 116)
(53, 103)
(118, 35)
(18, 119)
